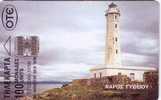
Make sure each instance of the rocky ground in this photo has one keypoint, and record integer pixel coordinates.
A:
(80, 91)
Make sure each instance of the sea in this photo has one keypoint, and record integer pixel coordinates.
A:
(40, 88)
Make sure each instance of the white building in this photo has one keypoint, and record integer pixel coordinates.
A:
(112, 64)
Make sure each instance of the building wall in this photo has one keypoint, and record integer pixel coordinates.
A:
(133, 74)
(96, 74)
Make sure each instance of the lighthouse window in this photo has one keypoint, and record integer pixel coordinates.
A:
(100, 75)
(115, 25)
(119, 73)
(116, 39)
(115, 17)
(132, 76)
(94, 75)
(116, 51)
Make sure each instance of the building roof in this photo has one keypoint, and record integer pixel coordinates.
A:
(112, 9)
(112, 5)
(103, 67)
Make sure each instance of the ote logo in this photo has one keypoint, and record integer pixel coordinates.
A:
(9, 17)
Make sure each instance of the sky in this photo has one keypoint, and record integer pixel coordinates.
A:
(72, 35)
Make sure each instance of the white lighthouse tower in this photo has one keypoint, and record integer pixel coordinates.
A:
(112, 50)
(112, 65)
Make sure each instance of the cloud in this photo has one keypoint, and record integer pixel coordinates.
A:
(63, 71)
(140, 16)
(139, 60)
(72, 35)
(138, 44)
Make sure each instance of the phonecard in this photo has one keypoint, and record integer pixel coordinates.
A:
(79, 50)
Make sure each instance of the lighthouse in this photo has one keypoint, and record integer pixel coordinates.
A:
(112, 48)
(112, 65)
